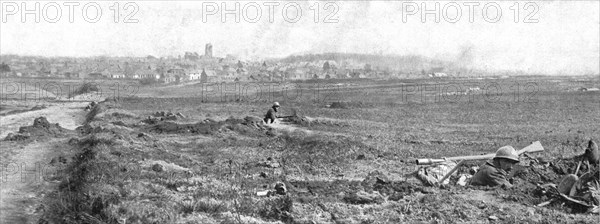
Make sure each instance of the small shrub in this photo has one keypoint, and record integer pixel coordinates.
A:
(278, 208)
(340, 105)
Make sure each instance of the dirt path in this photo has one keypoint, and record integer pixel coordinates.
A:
(21, 182)
(69, 115)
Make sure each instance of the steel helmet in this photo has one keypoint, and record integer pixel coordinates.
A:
(507, 152)
(592, 153)
(276, 104)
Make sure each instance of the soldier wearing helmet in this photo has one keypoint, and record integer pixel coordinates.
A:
(495, 172)
(271, 114)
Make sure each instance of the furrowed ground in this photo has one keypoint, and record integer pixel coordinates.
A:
(207, 166)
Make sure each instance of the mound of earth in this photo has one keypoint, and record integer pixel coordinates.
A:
(302, 121)
(162, 116)
(17, 137)
(40, 128)
(209, 127)
(253, 121)
(529, 181)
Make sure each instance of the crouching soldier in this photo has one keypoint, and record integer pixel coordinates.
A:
(271, 114)
(495, 172)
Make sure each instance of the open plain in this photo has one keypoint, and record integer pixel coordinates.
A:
(345, 155)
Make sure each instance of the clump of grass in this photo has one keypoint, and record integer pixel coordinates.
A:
(272, 208)
(209, 128)
(278, 208)
(340, 105)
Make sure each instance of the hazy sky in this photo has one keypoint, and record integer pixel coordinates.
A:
(565, 39)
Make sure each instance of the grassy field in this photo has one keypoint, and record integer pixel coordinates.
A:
(196, 171)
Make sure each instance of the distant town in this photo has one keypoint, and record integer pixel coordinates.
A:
(193, 67)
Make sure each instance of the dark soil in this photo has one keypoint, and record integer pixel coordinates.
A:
(527, 181)
(242, 126)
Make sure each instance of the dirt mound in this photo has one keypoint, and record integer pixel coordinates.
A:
(529, 181)
(302, 121)
(163, 116)
(253, 121)
(208, 127)
(314, 122)
(17, 137)
(40, 128)
(168, 114)
(119, 114)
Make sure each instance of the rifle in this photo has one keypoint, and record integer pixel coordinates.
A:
(534, 147)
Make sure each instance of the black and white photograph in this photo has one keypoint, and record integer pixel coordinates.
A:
(299, 112)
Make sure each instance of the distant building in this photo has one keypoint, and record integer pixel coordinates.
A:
(172, 78)
(208, 76)
(95, 75)
(72, 75)
(117, 76)
(192, 75)
(438, 75)
(145, 74)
